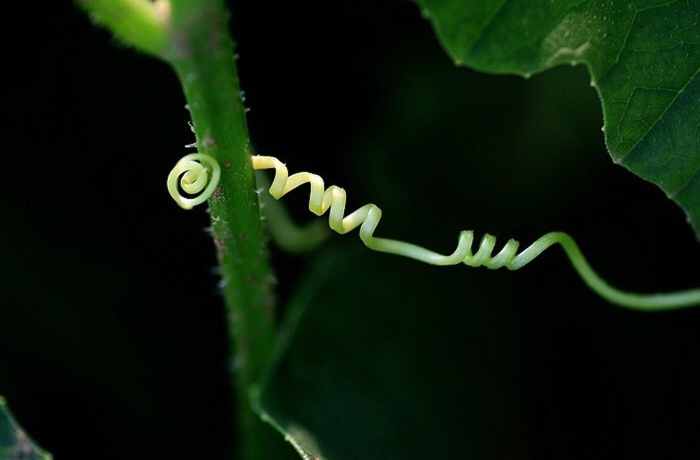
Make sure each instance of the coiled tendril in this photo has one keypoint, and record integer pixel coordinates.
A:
(193, 172)
(367, 217)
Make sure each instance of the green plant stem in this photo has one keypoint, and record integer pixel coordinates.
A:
(203, 57)
(193, 37)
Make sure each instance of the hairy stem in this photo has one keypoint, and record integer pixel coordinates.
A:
(203, 58)
(193, 37)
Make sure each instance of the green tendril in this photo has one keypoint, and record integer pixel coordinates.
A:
(193, 173)
(367, 217)
(286, 233)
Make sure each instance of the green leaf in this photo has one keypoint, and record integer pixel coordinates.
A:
(15, 444)
(643, 57)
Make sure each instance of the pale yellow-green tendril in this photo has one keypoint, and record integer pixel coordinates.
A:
(193, 173)
(368, 216)
(287, 234)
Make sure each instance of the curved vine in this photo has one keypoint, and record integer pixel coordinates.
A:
(333, 198)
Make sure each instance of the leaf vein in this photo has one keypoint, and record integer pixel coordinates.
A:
(662, 114)
(488, 24)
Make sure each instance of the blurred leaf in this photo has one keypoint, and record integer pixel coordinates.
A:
(376, 369)
(14, 442)
(643, 57)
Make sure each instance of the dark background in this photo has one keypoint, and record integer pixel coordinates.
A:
(112, 342)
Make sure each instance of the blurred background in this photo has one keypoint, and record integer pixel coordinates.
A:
(112, 337)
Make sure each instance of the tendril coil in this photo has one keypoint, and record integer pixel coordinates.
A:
(197, 175)
(332, 199)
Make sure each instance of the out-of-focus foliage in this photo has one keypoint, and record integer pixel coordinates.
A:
(15, 444)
